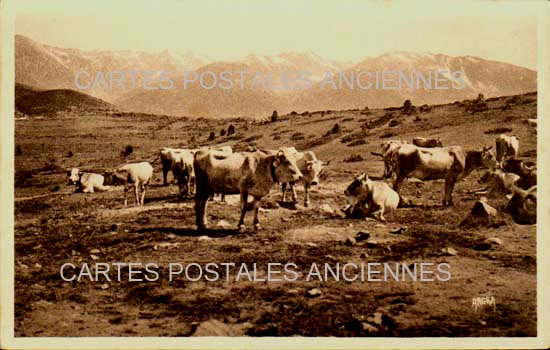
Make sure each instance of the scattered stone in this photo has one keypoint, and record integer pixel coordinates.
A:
(376, 318)
(283, 219)
(223, 224)
(362, 236)
(325, 208)
(204, 238)
(494, 240)
(38, 266)
(293, 291)
(372, 244)
(449, 251)
(364, 256)
(95, 251)
(315, 292)
(379, 225)
(74, 252)
(350, 241)
(482, 214)
(492, 257)
(311, 244)
(171, 236)
(483, 323)
(94, 257)
(330, 257)
(104, 286)
(43, 304)
(398, 230)
(369, 328)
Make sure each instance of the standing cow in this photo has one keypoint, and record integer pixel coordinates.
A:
(311, 169)
(137, 175)
(450, 163)
(244, 173)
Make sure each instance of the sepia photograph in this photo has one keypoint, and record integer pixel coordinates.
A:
(272, 170)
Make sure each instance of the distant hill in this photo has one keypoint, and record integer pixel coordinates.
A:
(32, 102)
(47, 67)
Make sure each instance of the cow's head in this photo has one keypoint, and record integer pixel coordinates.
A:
(360, 187)
(285, 168)
(74, 176)
(182, 172)
(314, 170)
(488, 158)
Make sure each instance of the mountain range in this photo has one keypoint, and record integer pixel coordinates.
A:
(45, 67)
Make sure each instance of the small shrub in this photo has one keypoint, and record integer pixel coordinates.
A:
(293, 113)
(127, 151)
(393, 123)
(212, 136)
(274, 116)
(354, 158)
(357, 143)
(277, 137)
(70, 154)
(500, 130)
(305, 113)
(387, 134)
(230, 130)
(222, 132)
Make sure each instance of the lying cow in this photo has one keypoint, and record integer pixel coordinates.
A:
(506, 146)
(244, 173)
(499, 183)
(311, 169)
(376, 196)
(528, 175)
(428, 143)
(87, 182)
(389, 154)
(523, 206)
(450, 163)
(137, 175)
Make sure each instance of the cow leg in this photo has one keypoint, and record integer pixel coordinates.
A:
(192, 185)
(125, 195)
(449, 186)
(293, 190)
(143, 188)
(379, 214)
(283, 187)
(306, 195)
(136, 192)
(200, 214)
(223, 198)
(398, 179)
(166, 165)
(88, 189)
(256, 206)
(244, 205)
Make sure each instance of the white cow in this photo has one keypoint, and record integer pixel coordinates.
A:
(311, 169)
(376, 196)
(87, 182)
(137, 175)
(507, 146)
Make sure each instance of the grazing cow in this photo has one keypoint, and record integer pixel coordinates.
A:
(377, 196)
(311, 169)
(523, 206)
(183, 171)
(506, 146)
(428, 143)
(389, 154)
(244, 173)
(87, 182)
(499, 183)
(528, 175)
(168, 156)
(137, 175)
(450, 163)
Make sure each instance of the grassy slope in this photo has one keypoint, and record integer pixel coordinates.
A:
(60, 228)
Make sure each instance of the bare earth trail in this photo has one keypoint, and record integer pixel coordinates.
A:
(78, 228)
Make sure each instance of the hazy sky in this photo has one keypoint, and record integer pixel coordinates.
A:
(344, 29)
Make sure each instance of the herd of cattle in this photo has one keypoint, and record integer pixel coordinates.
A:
(208, 171)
